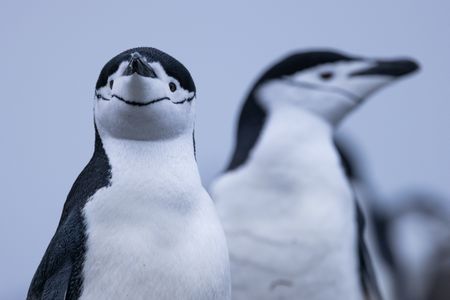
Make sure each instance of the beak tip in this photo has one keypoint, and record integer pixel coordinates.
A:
(139, 66)
(407, 66)
(393, 68)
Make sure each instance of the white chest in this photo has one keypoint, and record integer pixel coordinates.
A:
(143, 245)
(287, 242)
(289, 217)
(153, 234)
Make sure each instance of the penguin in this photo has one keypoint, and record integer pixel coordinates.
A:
(294, 228)
(137, 223)
(410, 231)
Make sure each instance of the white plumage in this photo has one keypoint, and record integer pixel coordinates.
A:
(284, 212)
(154, 227)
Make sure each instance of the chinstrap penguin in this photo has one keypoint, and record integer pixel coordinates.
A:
(294, 229)
(137, 223)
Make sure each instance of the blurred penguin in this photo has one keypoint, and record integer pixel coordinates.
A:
(293, 226)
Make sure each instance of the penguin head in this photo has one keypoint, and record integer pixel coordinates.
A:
(328, 84)
(144, 94)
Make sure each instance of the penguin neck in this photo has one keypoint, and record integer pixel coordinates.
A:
(168, 160)
(295, 139)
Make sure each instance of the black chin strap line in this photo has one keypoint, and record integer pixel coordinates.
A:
(101, 97)
(352, 97)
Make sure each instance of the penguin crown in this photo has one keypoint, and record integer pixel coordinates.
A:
(308, 60)
(171, 66)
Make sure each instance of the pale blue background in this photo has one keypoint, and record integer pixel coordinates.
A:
(52, 52)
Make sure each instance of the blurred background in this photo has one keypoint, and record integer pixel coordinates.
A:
(52, 53)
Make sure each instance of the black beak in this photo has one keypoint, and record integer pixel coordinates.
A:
(139, 66)
(394, 68)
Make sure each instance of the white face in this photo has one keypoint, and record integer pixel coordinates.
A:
(144, 108)
(329, 90)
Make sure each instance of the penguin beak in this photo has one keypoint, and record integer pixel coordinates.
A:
(392, 68)
(139, 66)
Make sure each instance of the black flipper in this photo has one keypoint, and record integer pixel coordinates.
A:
(59, 273)
(366, 270)
(58, 276)
(56, 286)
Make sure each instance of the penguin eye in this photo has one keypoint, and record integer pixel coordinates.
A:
(326, 75)
(172, 87)
(111, 83)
